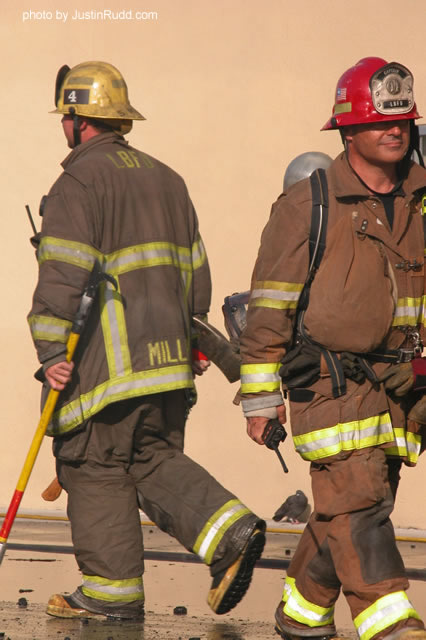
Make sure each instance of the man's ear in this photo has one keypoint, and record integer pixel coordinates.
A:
(83, 124)
(347, 133)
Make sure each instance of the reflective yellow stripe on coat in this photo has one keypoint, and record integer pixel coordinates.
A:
(410, 311)
(346, 436)
(49, 328)
(113, 590)
(407, 445)
(275, 295)
(141, 256)
(123, 382)
(130, 386)
(260, 377)
(216, 527)
(385, 612)
(300, 609)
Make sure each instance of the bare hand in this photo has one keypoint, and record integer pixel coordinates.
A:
(256, 424)
(59, 374)
(200, 366)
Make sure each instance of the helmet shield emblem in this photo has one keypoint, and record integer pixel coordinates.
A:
(392, 90)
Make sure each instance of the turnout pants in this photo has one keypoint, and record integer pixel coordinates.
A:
(130, 455)
(349, 545)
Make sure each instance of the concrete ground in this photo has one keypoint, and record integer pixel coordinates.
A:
(28, 578)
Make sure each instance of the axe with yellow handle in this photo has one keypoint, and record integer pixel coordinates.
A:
(88, 297)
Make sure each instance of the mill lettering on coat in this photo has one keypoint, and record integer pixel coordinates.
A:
(161, 353)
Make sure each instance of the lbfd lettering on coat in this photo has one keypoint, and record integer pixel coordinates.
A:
(130, 160)
(161, 353)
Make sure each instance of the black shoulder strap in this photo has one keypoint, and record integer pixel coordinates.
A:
(317, 242)
(319, 219)
(318, 230)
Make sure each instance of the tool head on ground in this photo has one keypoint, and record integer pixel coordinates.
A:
(96, 90)
(217, 349)
(303, 165)
(373, 90)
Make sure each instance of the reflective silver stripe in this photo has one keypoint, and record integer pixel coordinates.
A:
(102, 588)
(292, 607)
(49, 328)
(385, 612)
(186, 279)
(216, 526)
(303, 611)
(414, 447)
(199, 255)
(114, 331)
(127, 590)
(140, 256)
(111, 391)
(410, 311)
(144, 255)
(408, 444)
(76, 253)
(259, 378)
(348, 436)
(275, 294)
(363, 433)
(289, 585)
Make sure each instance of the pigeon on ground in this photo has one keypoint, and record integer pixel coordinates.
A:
(292, 509)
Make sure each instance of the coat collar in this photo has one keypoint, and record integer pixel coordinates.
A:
(348, 185)
(85, 147)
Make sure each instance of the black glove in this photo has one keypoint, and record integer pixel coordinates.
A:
(301, 366)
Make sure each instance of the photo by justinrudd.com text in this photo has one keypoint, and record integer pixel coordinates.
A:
(57, 15)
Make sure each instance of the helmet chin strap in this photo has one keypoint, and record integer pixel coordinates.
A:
(76, 127)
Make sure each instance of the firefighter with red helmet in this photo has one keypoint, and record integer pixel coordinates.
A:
(345, 342)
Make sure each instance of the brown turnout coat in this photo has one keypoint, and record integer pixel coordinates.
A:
(364, 296)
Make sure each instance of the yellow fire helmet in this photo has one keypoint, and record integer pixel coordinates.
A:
(95, 90)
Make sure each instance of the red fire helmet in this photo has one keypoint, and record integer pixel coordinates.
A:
(373, 91)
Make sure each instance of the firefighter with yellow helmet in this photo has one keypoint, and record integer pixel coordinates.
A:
(344, 335)
(118, 428)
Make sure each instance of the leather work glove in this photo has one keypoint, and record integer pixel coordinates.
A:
(301, 366)
(351, 367)
(402, 378)
(399, 378)
(418, 412)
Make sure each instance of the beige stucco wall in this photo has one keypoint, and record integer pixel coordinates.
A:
(232, 90)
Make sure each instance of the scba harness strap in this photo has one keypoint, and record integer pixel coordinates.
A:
(317, 243)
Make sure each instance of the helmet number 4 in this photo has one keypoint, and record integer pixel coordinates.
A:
(76, 96)
(72, 96)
